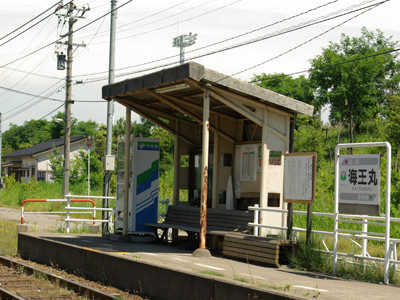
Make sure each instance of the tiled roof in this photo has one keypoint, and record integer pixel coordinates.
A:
(43, 147)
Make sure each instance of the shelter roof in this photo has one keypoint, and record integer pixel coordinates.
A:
(177, 93)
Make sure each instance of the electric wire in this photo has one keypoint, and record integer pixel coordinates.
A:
(264, 37)
(103, 33)
(57, 40)
(306, 42)
(45, 116)
(172, 24)
(30, 27)
(3, 37)
(332, 65)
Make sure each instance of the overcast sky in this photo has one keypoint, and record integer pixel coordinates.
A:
(145, 30)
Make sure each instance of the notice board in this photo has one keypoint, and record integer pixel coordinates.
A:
(299, 177)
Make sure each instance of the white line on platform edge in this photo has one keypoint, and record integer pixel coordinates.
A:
(252, 276)
(310, 288)
(180, 259)
(210, 267)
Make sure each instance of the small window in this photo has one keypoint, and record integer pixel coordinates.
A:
(274, 199)
(226, 159)
(222, 197)
(184, 161)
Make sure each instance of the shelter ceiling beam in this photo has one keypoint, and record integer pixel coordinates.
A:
(154, 120)
(168, 100)
(237, 107)
(182, 101)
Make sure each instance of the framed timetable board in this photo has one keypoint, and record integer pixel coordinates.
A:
(299, 177)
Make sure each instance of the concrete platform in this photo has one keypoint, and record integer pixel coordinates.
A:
(165, 271)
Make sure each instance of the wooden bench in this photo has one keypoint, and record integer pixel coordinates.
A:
(187, 218)
(258, 249)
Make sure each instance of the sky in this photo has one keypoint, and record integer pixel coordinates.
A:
(239, 38)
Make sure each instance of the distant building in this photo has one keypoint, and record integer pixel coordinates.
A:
(34, 161)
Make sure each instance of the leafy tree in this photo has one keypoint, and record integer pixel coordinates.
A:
(79, 169)
(167, 142)
(30, 133)
(57, 165)
(355, 86)
(297, 88)
(393, 127)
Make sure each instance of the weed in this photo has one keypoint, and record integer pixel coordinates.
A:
(241, 279)
(212, 273)
(8, 238)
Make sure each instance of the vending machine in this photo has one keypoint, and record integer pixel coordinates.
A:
(144, 190)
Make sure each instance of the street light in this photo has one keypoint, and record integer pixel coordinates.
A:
(182, 41)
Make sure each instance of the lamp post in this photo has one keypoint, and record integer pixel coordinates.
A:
(182, 41)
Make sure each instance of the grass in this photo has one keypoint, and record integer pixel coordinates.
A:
(212, 273)
(8, 238)
(311, 259)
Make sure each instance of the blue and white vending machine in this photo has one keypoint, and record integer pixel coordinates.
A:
(143, 203)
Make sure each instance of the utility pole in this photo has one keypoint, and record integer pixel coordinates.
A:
(67, 127)
(110, 114)
(182, 41)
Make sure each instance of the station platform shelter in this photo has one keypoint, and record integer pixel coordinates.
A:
(232, 133)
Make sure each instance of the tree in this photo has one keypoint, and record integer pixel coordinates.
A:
(30, 133)
(297, 88)
(354, 78)
(393, 127)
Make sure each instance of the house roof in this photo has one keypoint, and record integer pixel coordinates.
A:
(43, 147)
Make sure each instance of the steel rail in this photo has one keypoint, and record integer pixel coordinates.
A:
(78, 288)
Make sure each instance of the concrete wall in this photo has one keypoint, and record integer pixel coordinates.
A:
(152, 281)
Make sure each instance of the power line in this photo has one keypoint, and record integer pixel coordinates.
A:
(333, 65)
(57, 40)
(306, 42)
(32, 73)
(30, 27)
(103, 33)
(172, 24)
(45, 116)
(58, 3)
(303, 25)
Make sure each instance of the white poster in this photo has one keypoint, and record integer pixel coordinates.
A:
(299, 178)
(249, 163)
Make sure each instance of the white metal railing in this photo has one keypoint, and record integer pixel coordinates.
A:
(350, 235)
(68, 209)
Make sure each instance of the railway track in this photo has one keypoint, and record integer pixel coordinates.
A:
(21, 281)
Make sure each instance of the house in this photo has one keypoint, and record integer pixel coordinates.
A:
(34, 161)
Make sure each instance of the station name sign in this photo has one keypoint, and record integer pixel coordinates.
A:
(359, 181)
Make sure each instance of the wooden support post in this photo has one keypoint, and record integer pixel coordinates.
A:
(204, 179)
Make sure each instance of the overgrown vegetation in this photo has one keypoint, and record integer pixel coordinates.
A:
(8, 238)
